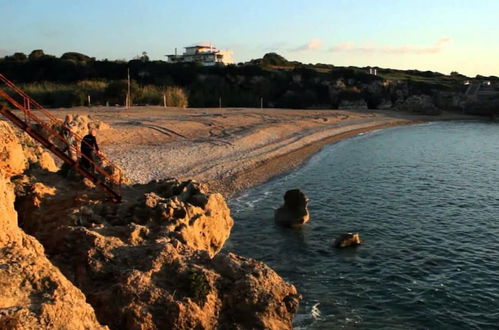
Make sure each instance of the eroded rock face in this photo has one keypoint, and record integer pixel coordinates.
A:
(153, 258)
(164, 284)
(294, 212)
(34, 293)
(421, 104)
(166, 209)
(353, 105)
(12, 159)
(150, 262)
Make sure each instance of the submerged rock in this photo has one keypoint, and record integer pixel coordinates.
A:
(294, 212)
(347, 239)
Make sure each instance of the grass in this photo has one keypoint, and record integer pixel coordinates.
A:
(56, 95)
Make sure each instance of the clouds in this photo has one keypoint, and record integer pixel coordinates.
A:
(369, 48)
(314, 44)
(4, 52)
(349, 47)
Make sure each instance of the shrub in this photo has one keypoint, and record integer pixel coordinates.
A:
(199, 287)
(176, 97)
(117, 90)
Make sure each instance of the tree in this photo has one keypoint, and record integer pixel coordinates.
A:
(75, 57)
(36, 54)
(274, 59)
(116, 91)
(144, 57)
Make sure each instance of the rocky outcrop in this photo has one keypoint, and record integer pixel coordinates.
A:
(35, 295)
(165, 209)
(12, 159)
(420, 104)
(294, 212)
(347, 239)
(150, 262)
(353, 105)
(153, 260)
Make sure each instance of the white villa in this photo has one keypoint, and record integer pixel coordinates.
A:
(205, 54)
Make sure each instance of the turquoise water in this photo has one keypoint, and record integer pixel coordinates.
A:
(424, 199)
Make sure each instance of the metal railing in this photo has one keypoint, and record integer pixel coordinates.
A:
(47, 134)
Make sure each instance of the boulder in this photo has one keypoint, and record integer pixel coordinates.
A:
(347, 239)
(294, 212)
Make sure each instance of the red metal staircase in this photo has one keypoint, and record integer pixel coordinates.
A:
(39, 124)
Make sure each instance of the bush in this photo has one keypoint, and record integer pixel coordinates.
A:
(176, 97)
(117, 90)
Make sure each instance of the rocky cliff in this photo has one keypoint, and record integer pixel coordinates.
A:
(150, 262)
(34, 293)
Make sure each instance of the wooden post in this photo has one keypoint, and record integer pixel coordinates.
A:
(89, 103)
(164, 100)
(220, 102)
(261, 102)
(129, 98)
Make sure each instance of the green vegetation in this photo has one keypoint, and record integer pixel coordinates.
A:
(69, 80)
(199, 288)
(176, 97)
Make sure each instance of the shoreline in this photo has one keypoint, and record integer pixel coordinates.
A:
(236, 184)
(230, 149)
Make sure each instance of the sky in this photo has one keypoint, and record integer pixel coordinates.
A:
(436, 35)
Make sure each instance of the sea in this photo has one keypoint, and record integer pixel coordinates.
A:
(425, 201)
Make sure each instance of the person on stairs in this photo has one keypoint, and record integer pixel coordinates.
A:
(90, 151)
(67, 130)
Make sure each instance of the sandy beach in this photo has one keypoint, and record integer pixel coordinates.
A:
(231, 149)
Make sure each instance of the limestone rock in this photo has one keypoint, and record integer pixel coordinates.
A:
(385, 105)
(294, 212)
(12, 162)
(149, 262)
(155, 259)
(359, 104)
(12, 159)
(421, 104)
(84, 123)
(347, 239)
(34, 293)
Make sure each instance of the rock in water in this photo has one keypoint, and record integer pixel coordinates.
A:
(294, 212)
(347, 239)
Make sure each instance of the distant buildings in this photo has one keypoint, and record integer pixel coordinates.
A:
(373, 71)
(204, 54)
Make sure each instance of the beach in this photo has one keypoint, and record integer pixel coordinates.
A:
(230, 149)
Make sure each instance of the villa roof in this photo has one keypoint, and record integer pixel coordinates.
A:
(200, 46)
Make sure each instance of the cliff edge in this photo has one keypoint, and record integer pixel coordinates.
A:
(35, 294)
(150, 262)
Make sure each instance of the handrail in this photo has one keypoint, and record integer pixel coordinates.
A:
(115, 176)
